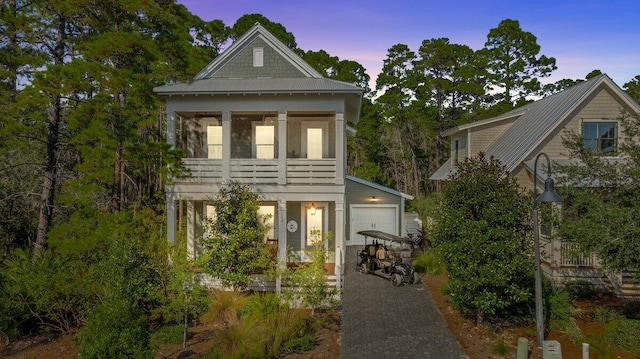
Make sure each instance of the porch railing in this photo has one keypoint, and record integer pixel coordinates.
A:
(557, 253)
(299, 171)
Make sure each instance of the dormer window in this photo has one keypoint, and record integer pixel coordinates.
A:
(258, 57)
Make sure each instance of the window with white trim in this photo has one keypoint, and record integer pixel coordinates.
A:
(214, 142)
(315, 139)
(601, 137)
(264, 145)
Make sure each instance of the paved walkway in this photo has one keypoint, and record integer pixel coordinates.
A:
(382, 321)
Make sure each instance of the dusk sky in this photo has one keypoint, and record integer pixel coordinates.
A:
(582, 35)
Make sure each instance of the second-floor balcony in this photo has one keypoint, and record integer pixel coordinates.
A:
(295, 171)
(260, 148)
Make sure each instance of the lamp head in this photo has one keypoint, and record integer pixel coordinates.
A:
(549, 194)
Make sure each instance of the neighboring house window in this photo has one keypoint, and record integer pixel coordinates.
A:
(264, 146)
(315, 139)
(258, 57)
(214, 142)
(601, 137)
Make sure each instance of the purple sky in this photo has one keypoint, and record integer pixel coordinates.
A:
(582, 35)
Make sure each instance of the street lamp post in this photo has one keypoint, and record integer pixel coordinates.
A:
(549, 195)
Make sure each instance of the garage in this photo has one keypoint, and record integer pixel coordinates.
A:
(372, 217)
(371, 206)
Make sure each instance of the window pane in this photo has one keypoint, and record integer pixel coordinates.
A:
(214, 142)
(600, 136)
(314, 143)
(265, 141)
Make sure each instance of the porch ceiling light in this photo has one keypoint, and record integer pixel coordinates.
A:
(312, 210)
(549, 195)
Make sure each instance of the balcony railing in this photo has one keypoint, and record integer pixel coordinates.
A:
(299, 171)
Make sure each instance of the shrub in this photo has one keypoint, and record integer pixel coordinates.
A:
(173, 334)
(308, 283)
(116, 329)
(560, 313)
(263, 334)
(302, 344)
(483, 235)
(234, 246)
(430, 262)
(581, 289)
(49, 289)
(224, 307)
(500, 348)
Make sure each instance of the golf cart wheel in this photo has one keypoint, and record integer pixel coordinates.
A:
(364, 268)
(415, 278)
(396, 279)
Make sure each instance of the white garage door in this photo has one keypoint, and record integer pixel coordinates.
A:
(381, 218)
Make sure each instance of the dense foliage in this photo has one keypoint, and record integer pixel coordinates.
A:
(85, 161)
(484, 237)
(602, 198)
(234, 238)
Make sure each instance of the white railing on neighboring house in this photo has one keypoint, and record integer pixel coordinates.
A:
(299, 171)
(557, 253)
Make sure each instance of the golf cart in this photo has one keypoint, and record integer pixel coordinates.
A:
(379, 258)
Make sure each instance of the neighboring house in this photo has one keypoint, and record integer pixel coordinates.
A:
(517, 137)
(260, 115)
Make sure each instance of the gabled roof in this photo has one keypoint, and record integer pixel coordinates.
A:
(300, 78)
(536, 121)
(543, 117)
(257, 31)
(379, 187)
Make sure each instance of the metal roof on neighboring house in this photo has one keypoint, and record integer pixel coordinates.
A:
(538, 121)
(443, 172)
(535, 122)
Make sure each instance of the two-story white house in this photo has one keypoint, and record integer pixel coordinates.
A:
(260, 115)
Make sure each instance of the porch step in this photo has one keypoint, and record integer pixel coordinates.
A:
(630, 287)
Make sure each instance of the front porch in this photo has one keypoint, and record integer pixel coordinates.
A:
(293, 228)
(563, 262)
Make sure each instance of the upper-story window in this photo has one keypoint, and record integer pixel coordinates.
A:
(258, 57)
(601, 137)
(214, 141)
(254, 135)
(264, 144)
(315, 139)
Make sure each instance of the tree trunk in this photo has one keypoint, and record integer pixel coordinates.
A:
(54, 113)
(54, 120)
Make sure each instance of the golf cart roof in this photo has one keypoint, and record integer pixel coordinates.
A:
(384, 236)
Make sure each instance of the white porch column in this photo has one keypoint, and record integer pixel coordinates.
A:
(341, 153)
(340, 242)
(282, 148)
(226, 146)
(282, 239)
(191, 230)
(171, 217)
(171, 126)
